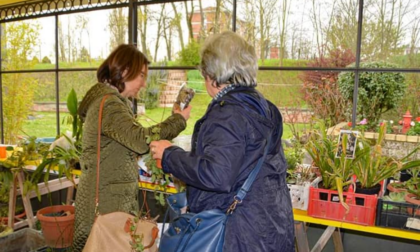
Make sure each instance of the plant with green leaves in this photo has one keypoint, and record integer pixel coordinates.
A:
(395, 197)
(63, 154)
(136, 242)
(21, 40)
(323, 149)
(371, 166)
(336, 169)
(73, 118)
(27, 152)
(160, 178)
(413, 184)
(378, 92)
(60, 159)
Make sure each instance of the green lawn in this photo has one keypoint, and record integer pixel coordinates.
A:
(43, 124)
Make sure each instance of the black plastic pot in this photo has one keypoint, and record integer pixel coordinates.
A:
(368, 191)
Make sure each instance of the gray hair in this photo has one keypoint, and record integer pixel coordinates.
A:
(227, 58)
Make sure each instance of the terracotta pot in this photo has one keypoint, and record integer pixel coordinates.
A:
(57, 230)
(3, 220)
(411, 198)
(392, 188)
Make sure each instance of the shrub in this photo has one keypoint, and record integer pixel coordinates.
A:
(46, 60)
(378, 92)
(35, 60)
(190, 55)
(320, 90)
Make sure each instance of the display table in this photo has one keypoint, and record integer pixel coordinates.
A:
(333, 229)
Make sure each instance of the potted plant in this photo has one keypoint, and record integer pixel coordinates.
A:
(57, 224)
(323, 150)
(62, 157)
(413, 190)
(395, 197)
(63, 154)
(413, 197)
(371, 167)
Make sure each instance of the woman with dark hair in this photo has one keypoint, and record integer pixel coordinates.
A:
(227, 143)
(123, 139)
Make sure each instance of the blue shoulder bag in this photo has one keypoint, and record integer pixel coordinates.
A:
(204, 231)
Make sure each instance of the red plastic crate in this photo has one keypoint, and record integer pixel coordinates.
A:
(325, 204)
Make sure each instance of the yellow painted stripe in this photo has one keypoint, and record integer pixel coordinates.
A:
(301, 215)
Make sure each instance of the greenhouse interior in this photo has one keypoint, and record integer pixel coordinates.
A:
(340, 80)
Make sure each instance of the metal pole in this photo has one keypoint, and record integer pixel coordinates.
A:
(57, 86)
(1, 88)
(356, 73)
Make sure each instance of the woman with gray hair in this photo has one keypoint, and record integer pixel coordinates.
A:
(227, 143)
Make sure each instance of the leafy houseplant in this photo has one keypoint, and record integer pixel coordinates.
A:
(413, 190)
(371, 166)
(158, 176)
(28, 151)
(395, 197)
(323, 148)
(413, 197)
(63, 154)
(335, 169)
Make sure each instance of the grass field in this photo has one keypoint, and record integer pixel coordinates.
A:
(43, 124)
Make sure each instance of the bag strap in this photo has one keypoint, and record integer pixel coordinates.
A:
(240, 195)
(98, 156)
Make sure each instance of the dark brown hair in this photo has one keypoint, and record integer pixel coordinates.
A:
(124, 58)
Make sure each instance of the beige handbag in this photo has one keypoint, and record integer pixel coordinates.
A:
(113, 231)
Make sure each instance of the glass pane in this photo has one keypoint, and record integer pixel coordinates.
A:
(27, 105)
(28, 44)
(393, 96)
(285, 90)
(171, 33)
(391, 33)
(289, 33)
(81, 82)
(161, 92)
(85, 39)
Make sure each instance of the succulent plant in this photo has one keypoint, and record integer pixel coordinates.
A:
(395, 197)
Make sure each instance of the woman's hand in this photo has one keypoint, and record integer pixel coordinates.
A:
(158, 147)
(185, 113)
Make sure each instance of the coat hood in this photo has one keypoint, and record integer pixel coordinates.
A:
(94, 93)
(253, 102)
(259, 110)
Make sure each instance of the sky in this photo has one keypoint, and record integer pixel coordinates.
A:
(99, 34)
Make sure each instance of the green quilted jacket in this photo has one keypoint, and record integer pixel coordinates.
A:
(123, 139)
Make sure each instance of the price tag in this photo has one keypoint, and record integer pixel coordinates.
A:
(413, 223)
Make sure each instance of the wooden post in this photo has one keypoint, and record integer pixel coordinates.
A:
(18, 179)
(301, 238)
(26, 201)
(12, 202)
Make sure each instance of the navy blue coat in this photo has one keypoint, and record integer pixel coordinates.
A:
(226, 145)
